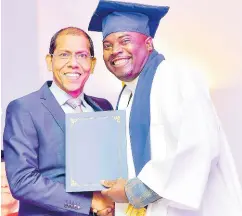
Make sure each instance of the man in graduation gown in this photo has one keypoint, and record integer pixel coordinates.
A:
(179, 161)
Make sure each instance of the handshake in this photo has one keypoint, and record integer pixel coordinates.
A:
(103, 202)
(102, 205)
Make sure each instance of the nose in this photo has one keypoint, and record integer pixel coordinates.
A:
(117, 48)
(73, 61)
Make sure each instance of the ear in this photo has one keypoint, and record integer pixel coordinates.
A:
(94, 60)
(48, 60)
(149, 44)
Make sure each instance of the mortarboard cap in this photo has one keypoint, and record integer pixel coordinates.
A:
(113, 16)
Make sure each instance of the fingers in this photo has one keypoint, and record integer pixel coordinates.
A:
(105, 212)
(105, 192)
(108, 184)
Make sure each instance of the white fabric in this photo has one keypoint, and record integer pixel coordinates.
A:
(192, 167)
(61, 97)
(125, 103)
(127, 99)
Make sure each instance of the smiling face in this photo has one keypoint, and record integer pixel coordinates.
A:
(125, 54)
(71, 63)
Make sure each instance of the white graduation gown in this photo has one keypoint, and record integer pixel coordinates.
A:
(191, 164)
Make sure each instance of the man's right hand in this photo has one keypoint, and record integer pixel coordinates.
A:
(102, 205)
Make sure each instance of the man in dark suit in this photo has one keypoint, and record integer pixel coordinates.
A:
(34, 135)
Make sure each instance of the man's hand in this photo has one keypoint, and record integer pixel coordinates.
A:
(115, 190)
(9, 204)
(102, 205)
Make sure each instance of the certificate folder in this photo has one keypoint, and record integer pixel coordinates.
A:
(95, 149)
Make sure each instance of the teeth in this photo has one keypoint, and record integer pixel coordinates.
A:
(72, 75)
(120, 62)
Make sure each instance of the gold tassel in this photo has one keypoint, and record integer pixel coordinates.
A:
(131, 211)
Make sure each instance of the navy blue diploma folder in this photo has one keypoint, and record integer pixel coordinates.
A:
(95, 149)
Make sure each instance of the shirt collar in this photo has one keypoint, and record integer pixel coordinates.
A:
(132, 85)
(60, 95)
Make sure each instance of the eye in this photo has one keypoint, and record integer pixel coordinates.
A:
(64, 55)
(107, 46)
(82, 55)
(125, 41)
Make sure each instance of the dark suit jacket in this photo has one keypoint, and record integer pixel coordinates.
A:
(34, 147)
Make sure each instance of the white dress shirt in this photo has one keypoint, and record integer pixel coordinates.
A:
(62, 97)
(125, 103)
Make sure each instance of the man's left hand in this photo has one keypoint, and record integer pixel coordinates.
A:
(116, 190)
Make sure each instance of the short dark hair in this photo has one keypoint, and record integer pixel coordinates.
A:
(70, 31)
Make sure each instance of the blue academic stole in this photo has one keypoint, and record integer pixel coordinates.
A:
(139, 124)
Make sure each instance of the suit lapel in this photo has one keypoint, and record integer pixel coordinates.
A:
(51, 104)
(92, 103)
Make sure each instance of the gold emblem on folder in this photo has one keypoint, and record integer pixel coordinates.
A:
(75, 120)
(117, 118)
(74, 183)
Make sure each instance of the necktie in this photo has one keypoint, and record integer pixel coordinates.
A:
(75, 103)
